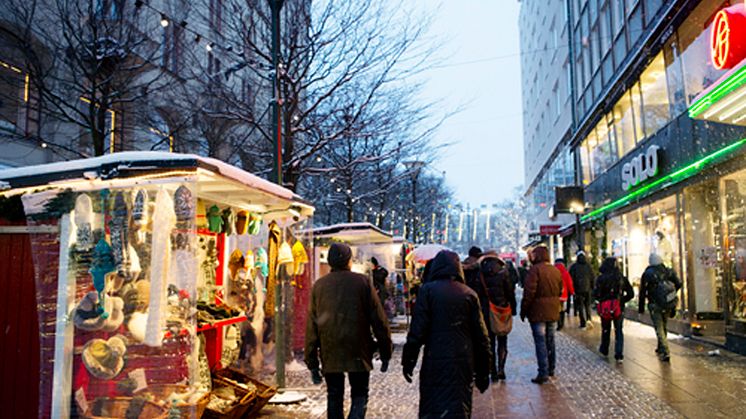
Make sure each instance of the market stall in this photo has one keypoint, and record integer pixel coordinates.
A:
(154, 270)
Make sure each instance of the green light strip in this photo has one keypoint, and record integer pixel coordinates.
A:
(733, 82)
(675, 177)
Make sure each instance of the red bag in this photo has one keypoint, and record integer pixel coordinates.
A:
(609, 309)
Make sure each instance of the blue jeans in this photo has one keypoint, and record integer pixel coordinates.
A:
(546, 355)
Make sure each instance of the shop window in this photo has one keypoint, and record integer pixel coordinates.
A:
(651, 9)
(13, 97)
(585, 163)
(633, 236)
(654, 96)
(694, 41)
(733, 191)
(624, 124)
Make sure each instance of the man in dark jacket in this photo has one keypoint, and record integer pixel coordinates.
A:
(380, 276)
(582, 280)
(541, 305)
(653, 275)
(522, 272)
(344, 309)
(448, 322)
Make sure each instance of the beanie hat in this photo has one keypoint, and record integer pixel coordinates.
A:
(475, 252)
(374, 261)
(655, 259)
(339, 255)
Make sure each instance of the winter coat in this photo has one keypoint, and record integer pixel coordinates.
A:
(380, 274)
(522, 274)
(447, 321)
(344, 309)
(541, 293)
(474, 281)
(567, 287)
(501, 290)
(650, 278)
(582, 275)
(612, 284)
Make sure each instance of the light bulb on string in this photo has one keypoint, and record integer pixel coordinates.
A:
(164, 20)
(209, 47)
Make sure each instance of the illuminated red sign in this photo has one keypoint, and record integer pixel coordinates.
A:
(728, 37)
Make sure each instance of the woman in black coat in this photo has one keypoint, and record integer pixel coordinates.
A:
(610, 285)
(501, 292)
(448, 323)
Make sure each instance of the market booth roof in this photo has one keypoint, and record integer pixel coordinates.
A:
(352, 233)
(218, 181)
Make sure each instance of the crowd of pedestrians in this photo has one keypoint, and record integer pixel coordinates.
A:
(462, 319)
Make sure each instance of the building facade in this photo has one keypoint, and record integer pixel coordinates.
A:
(547, 104)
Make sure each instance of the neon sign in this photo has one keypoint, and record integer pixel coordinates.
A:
(727, 36)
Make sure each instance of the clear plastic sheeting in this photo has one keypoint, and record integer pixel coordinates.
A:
(117, 297)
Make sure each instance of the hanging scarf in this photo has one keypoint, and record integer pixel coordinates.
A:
(164, 220)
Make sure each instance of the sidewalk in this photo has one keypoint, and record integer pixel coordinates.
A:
(693, 385)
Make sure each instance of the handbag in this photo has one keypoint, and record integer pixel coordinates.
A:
(501, 320)
(609, 309)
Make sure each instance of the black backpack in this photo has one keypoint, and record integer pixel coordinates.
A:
(664, 293)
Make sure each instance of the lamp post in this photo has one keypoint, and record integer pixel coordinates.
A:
(276, 124)
(414, 167)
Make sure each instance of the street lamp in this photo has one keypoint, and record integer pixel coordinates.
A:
(414, 167)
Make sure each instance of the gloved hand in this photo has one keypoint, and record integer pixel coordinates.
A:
(384, 365)
(316, 377)
(408, 373)
(482, 383)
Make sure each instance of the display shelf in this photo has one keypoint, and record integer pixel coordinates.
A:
(221, 323)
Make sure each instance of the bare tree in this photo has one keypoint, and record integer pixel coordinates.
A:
(100, 71)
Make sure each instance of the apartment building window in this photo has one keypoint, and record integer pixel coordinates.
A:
(109, 128)
(216, 15)
(604, 27)
(618, 16)
(213, 64)
(557, 100)
(173, 42)
(651, 9)
(13, 97)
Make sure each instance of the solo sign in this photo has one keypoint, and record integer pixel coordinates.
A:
(640, 168)
(728, 36)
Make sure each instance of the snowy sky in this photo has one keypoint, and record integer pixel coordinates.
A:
(485, 163)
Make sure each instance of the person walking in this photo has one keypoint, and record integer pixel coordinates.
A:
(501, 293)
(612, 291)
(344, 309)
(541, 305)
(512, 271)
(380, 282)
(448, 323)
(582, 281)
(522, 272)
(660, 286)
(567, 292)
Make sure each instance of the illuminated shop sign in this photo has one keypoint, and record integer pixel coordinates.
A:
(728, 36)
(642, 167)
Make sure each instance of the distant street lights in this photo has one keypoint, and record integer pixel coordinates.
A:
(414, 167)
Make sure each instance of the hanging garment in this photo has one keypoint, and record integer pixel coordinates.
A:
(119, 233)
(84, 222)
(140, 215)
(164, 220)
(300, 258)
(273, 247)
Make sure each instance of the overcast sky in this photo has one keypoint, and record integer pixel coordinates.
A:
(485, 163)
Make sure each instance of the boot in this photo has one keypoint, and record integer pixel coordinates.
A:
(501, 358)
(358, 408)
(494, 374)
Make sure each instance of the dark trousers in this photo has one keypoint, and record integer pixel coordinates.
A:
(502, 352)
(491, 337)
(618, 337)
(583, 304)
(335, 393)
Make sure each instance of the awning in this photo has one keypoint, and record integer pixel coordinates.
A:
(352, 233)
(218, 181)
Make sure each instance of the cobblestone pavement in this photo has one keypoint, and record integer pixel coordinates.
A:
(587, 385)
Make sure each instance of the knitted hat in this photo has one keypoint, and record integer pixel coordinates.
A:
(183, 204)
(83, 220)
(104, 359)
(242, 222)
(300, 257)
(140, 207)
(215, 219)
(285, 254)
(255, 224)
(261, 261)
(655, 259)
(115, 308)
(339, 255)
(88, 313)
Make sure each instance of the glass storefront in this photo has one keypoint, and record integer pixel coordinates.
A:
(634, 235)
(732, 199)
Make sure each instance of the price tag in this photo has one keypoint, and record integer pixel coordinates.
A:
(81, 400)
(138, 376)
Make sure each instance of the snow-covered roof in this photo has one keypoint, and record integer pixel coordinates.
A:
(219, 181)
(353, 233)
